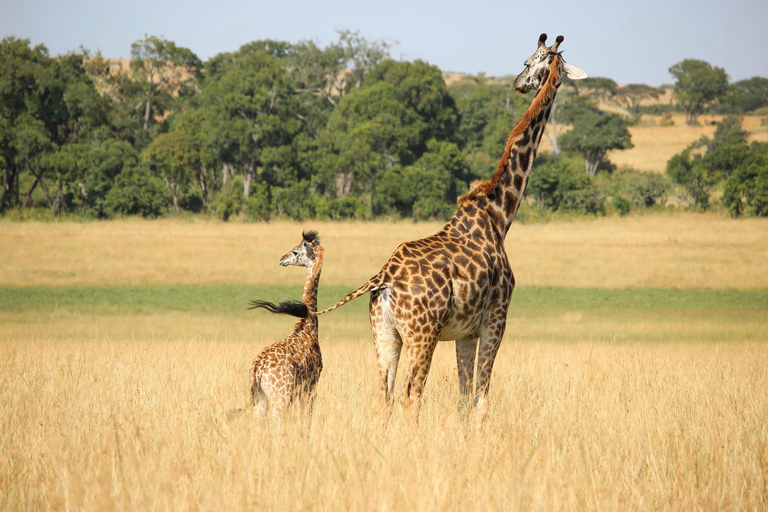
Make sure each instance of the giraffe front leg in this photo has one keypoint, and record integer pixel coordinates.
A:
(465, 362)
(490, 340)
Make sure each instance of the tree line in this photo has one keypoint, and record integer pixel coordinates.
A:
(278, 129)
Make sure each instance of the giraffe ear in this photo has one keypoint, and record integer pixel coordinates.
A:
(573, 72)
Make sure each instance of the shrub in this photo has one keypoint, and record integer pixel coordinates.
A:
(646, 189)
(556, 186)
(340, 208)
(622, 205)
(137, 192)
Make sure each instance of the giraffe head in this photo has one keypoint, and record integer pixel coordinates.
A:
(537, 67)
(304, 254)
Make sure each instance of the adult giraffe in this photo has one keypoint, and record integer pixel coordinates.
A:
(457, 283)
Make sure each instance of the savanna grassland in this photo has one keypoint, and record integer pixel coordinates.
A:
(632, 376)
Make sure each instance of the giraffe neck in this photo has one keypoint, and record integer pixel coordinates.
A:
(311, 284)
(504, 191)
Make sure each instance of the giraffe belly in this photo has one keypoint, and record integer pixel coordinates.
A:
(459, 328)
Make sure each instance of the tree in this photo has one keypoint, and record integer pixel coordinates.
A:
(685, 169)
(595, 87)
(136, 192)
(360, 56)
(594, 134)
(631, 96)
(698, 85)
(162, 67)
(746, 188)
(370, 132)
(727, 150)
(253, 118)
(385, 124)
(427, 189)
(21, 91)
(750, 94)
(175, 156)
(421, 88)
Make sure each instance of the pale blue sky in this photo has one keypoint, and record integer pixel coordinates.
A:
(628, 41)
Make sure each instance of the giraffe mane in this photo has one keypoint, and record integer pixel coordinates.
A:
(544, 95)
(311, 237)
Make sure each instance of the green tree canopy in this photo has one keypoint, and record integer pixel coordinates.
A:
(698, 85)
(594, 134)
(631, 96)
(175, 156)
(385, 124)
(161, 67)
(750, 94)
(746, 188)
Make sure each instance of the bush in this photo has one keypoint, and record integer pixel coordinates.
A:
(622, 205)
(228, 204)
(192, 200)
(137, 192)
(295, 201)
(340, 208)
(646, 189)
(259, 202)
(556, 186)
(686, 170)
(746, 188)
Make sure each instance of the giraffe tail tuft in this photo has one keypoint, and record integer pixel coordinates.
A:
(287, 307)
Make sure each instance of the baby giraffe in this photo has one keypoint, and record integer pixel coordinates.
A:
(291, 367)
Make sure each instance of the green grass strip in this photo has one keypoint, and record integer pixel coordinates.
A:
(232, 297)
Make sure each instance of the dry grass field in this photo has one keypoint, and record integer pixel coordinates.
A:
(678, 251)
(632, 375)
(654, 145)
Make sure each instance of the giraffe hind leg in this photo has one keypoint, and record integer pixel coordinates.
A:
(466, 349)
(259, 399)
(388, 344)
(420, 353)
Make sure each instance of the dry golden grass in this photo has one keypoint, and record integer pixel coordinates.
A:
(680, 251)
(655, 145)
(139, 425)
(109, 409)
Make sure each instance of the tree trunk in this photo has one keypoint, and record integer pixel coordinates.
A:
(553, 140)
(203, 184)
(44, 188)
(249, 170)
(591, 166)
(175, 192)
(29, 195)
(373, 195)
(10, 177)
(248, 174)
(227, 173)
(343, 184)
(148, 109)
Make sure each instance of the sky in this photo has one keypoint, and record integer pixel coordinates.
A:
(628, 41)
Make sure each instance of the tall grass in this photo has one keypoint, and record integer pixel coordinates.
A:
(632, 375)
(140, 425)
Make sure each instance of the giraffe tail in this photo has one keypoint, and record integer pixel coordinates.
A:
(372, 284)
(287, 307)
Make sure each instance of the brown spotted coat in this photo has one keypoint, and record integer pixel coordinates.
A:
(291, 367)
